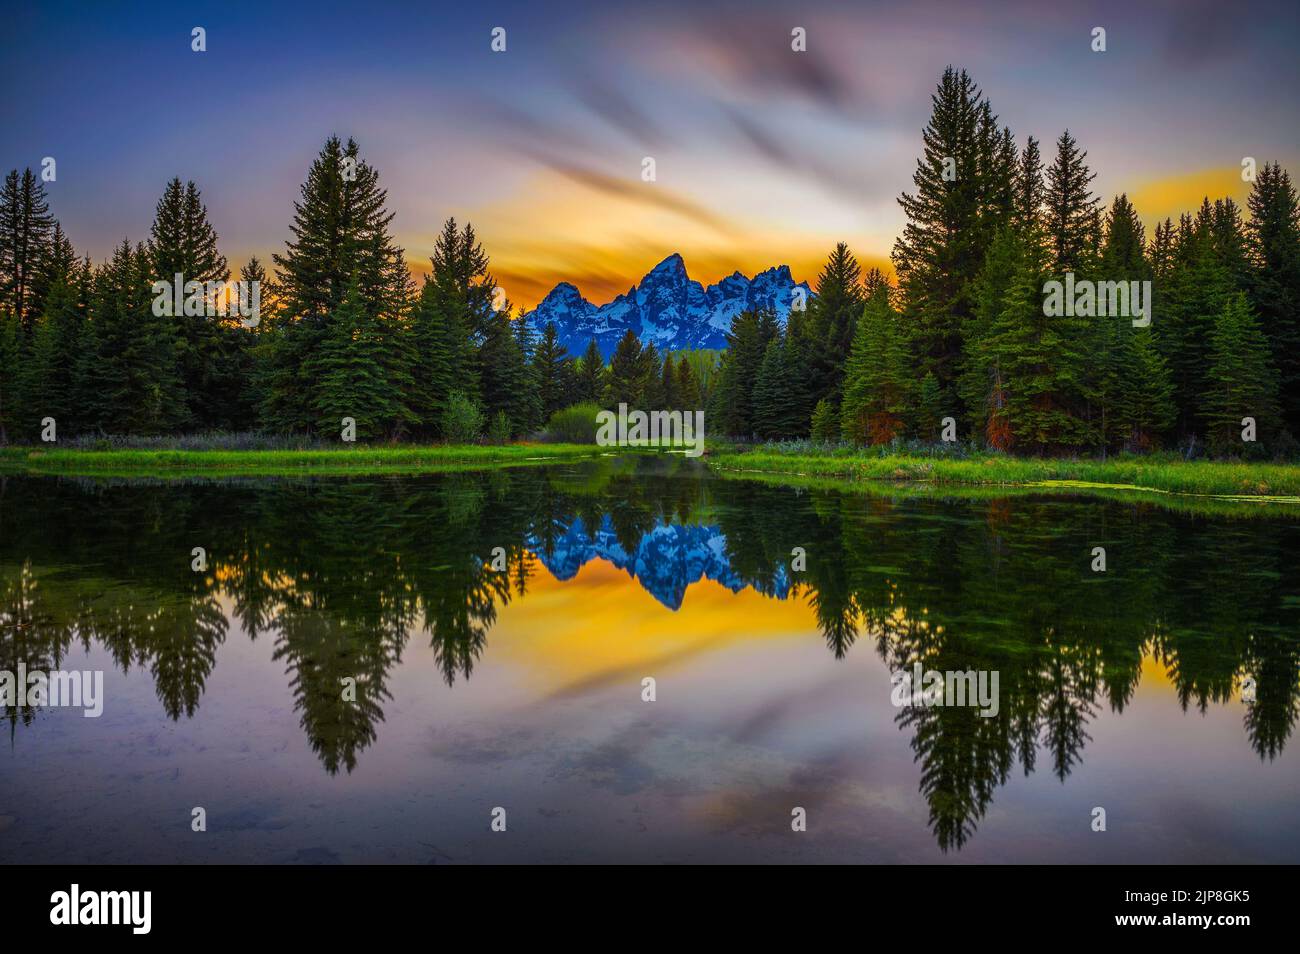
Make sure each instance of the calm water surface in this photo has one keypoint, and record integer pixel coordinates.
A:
(522, 689)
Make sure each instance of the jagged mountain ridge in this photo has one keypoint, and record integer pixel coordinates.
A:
(668, 559)
(667, 308)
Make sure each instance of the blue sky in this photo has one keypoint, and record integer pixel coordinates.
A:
(763, 155)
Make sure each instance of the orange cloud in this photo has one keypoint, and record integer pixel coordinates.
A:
(1170, 196)
(559, 227)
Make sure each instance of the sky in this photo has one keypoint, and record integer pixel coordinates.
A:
(763, 155)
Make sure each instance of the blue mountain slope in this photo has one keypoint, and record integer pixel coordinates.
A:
(667, 308)
(667, 561)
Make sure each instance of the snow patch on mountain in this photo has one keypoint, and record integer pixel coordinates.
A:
(667, 308)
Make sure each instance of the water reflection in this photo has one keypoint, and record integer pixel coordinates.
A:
(344, 576)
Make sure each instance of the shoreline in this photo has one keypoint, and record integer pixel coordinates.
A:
(1166, 475)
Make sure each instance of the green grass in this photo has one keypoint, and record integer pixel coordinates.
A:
(1166, 474)
(343, 460)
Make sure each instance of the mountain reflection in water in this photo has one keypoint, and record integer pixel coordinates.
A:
(348, 577)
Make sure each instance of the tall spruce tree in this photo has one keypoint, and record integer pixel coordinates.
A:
(1274, 250)
(879, 381)
(774, 415)
(1198, 287)
(668, 395)
(591, 374)
(506, 382)
(1030, 191)
(1041, 360)
(183, 242)
(623, 381)
(1072, 216)
(982, 382)
(688, 388)
(51, 386)
(26, 240)
(354, 376)
(1146, 396)
(964, 189)
(550, 362)
(732, 405)
(135, 375)
(1240, 381)
(829, 325)
(1113, 359)
(651, 376)
(10, 362)
(341, 232)
(527, 416)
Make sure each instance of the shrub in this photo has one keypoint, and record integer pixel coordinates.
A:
(462, 421)
(574, 425)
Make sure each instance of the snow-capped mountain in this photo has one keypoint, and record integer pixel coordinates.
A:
(667, 308)
(668, 559)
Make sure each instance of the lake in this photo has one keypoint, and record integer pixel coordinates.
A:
(384, 669)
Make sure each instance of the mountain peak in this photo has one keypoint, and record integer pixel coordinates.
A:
(666, 308)
(672, 265)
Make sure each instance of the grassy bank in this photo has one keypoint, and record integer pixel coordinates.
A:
(1161, 474)
(273, 463)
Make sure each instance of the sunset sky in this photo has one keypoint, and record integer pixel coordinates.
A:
(764, 156)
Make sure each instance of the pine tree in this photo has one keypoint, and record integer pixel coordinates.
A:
(1146, 409)
(650, 374)
(1122, 259)
(527, 415)
(668, 395)
(26, 237)
(591, 374)
(771, 395)
(825, 423)
(1030, 195)
(58, 263)
(135, 376)
(441, 323)
(961, 197)
(688, 388)
(50, 389)
(506, 382)
(623, 382)
(233, 387)
(1198, 287)
(831, 317)
(353, 374)
(1072, 217)
(878, 380)
(340, 234)
(732, 404)
(11, 412)
(929, 408)
(550, 359)
(982, 383)
(1274, 250)
(1041, 360)
(183, 242)
(1241, 381)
